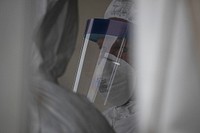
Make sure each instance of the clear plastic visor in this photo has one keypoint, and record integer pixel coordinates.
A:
(104, 71)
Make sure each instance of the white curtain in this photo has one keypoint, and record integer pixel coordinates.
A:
(167, 59)
(14, 37)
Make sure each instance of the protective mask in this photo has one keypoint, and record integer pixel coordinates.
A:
(115, 85)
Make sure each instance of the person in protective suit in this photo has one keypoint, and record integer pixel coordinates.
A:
(122, 115)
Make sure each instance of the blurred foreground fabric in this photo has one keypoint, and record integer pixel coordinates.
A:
(167, 57)
(54, 109)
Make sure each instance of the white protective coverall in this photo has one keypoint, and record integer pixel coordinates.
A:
(122, 118)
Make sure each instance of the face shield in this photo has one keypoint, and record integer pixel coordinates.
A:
(104, 73)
